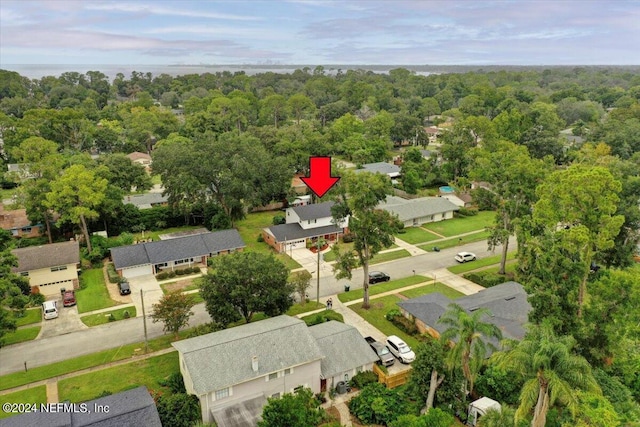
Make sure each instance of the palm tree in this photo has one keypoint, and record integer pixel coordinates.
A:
(494, 418)
(551, 372)
(467, 330)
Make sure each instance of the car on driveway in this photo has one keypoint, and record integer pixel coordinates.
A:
(68, 298)
(465, 256)
(400, 349)
(124, 288)
(378, 276)
(382, 351)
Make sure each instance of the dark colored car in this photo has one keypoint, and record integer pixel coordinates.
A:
(124, 288)
(69, 298)
(378, 276)
(382, 351)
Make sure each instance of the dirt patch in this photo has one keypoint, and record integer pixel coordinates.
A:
(332, 411)
(177, 286)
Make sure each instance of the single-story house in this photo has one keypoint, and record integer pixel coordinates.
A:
(507, 302)
(153, 257)
(146, 200)
(234, 371)
(50, 267)
(142, 159)
(133, 407)
(304, 224)
(414, 212)
(17, 223)
(345, 351)
(393, 171)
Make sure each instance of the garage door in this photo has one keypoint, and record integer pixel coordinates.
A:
(296, 244)
(140, 270)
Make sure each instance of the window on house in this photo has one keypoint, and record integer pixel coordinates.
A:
(24, 273)
(273, 376)
(182, 261)
(276, 395)
(221, 394)
(297, 389)
(287, 371)
(59, 268)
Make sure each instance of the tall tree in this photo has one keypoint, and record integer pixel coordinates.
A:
(300, 280)
(75, 195)
(428, 370)
(372, 229)
(300, 409)
(580, 203)
(244, 283)
(10, 284)
(552, 373)
(468, 332)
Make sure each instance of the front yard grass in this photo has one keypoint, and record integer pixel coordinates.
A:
(455, 226)
(148, 372)
(102, 318)
(33, 395)
(375, 315)
(21, 335)
(429, 289)
(479, 263)
(32, 315)
(329, 256)
(450, 243)
(297, 308)
(415, 235)
(389, 256)
(93, 294)
(251, 227)
(382, 287)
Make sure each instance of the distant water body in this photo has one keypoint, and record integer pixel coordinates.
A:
(37, 71)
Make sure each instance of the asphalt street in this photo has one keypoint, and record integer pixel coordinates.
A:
(54, 349)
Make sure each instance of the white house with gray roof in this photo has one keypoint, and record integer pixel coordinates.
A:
(304, 223)
(414, 212)
(234, 371)
(154, 257)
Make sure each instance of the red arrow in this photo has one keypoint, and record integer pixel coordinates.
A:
(320, 180)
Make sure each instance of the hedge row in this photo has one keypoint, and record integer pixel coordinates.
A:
(173, 273)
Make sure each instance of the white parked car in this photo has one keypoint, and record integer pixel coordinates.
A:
(400, 349)
(465, 256)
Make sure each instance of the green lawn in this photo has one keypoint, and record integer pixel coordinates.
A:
(82, 362)
(298, 309)
(344, 247)
(146, 372)
(382, 287)
(32, 315)
(450, 243)
(93, 294)
(455, 226)
(195, 284)
(479, 263)
(102, 318)
(415, 235)
(429, 289)
(21, 335)
(375, 316)
(251, 226)
(389, 256)
(35, 395)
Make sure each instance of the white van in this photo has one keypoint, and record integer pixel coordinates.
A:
(50, 309)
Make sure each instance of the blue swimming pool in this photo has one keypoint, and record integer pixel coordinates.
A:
(447, 189)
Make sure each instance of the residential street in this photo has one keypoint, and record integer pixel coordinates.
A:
(54, 349)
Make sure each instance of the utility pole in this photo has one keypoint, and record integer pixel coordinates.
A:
(318, 274)
(144, 321)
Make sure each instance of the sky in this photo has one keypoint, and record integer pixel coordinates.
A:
(319, 32)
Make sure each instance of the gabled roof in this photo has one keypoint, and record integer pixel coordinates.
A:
(13, 219)
(507, 302)
(314, 211)
(343, 347)
(175, 249)
(293, 231)
(45, 256)
(380, 167)
(133, 407)
(137, 155)
(224, 358)
(146, 200)
(416, 208)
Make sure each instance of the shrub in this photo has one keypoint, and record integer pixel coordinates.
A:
(361, 379)
(405, 325)
(378, 405)
(467, 212)
(178, 410)
(325, 316)
(348, 238)
(486, 278)
(112, 318)
(174, 382)
(204, 329)
(111, 273)
(36, 299)
(279, 219)
(126, 314)
(162, 275)
(392, 313)
(180, 272)
(260, 238)
(171, 274)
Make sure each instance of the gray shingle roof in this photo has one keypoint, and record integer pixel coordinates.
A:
(380, 167)
(507, 302)
(175, 249)
(146, 200)
(293, 231)
(52, 255)
(343, 347)
(314, 211)
(417, 208)
(130, 408)
(224, 358)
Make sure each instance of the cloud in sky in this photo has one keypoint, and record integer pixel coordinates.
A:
(409, 32)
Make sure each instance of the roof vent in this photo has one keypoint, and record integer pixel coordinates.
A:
(254, 363)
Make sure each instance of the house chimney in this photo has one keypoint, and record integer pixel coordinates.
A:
(254, 364)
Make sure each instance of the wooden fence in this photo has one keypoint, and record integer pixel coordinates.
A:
(391, 380)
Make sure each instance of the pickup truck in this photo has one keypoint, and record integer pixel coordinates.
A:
(382, 351)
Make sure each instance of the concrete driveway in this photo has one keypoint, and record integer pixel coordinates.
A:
(151, 292)
(68, 321)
